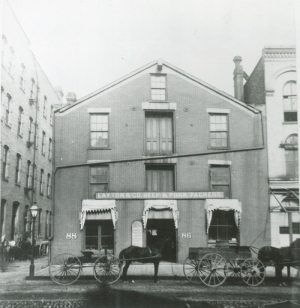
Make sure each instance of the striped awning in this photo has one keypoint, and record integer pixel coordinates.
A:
(98, 209)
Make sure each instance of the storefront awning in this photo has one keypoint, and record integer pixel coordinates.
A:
(223, 205)
(96, 207)
(161, 206)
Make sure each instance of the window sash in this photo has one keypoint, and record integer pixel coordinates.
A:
(218, 130)
(99, 129)
(220, 179)
(160, 180)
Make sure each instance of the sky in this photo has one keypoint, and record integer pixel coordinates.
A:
(83, 45)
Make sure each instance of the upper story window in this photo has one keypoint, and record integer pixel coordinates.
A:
(48, 185)
(28, 183)
(158, 87)
(43, 142)
(50, 149)
(290, 101)
(291, 155)
(30, 130)
(34, 176)
(10, 62)
(160, 178)
(99, 130)
(42, 182)
(22, 77)
(220, 179)
(4, 50)
(45, 107)
(20, 122)
(7, 109)
(18, 169)
(32, 92)
(159, 133)
(99, 178)
(51, 114)
(218, 131)
(5, 163)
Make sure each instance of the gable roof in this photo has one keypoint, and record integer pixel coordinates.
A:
(147, 66)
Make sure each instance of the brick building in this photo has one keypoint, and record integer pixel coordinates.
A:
(27, 98)
(272, 88)
(159, 153)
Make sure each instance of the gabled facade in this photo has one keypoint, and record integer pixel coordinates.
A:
(159, 153)
(27, 98)
(272, 87)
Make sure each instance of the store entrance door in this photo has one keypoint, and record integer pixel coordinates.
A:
(158, 229)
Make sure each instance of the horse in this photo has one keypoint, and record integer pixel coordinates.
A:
(281, 257)
(149, 254)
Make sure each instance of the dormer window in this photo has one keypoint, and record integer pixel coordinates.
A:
(290, 101)
(158, 87)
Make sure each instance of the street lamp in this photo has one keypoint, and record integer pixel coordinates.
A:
(34, 211)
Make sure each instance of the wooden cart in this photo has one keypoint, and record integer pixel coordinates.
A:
(213, 265)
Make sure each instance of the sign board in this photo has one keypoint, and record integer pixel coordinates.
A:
(161, 195)
(137, 234)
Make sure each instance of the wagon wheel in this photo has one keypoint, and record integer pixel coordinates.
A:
(107, 269)
(212, 270)
(64, 269)
(253, 272)
(190, 270)
(233, 268)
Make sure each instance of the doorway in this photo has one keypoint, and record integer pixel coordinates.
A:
(158, 229)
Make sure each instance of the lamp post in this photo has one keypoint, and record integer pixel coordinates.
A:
(34, 211)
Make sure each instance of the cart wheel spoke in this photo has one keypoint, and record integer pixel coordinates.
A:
(190, 270)
(107, 269)
(212, 270)
(64, 269)
(253, 272)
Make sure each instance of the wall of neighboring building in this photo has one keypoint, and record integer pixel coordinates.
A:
(254, 88)
(125, 104)
(19, 68)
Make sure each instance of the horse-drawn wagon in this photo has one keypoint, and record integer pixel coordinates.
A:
(212, 266)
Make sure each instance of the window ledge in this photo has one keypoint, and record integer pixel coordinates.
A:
(8, 125)
(18, 184)
(5, 179)
(213, 148)
(289, 122)
(23, 90)
(20, 136)
(98, 148)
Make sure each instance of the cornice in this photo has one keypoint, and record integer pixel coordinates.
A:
(279, 53)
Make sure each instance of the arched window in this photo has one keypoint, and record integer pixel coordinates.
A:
(290, 101)
(291, 155)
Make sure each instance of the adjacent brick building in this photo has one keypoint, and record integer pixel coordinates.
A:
(272, 88)
(27, 98)
(159, 153)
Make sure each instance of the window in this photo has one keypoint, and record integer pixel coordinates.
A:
(220, 179)
(159, 133)
(44, 107)
(18, 169)
(222, 227)
(22, 77)
(99, 130)
(51, 115)
(39, 219)
(42, 182)
(11, 59)
(160, 178)
(218, 131)
(27, 219)
(3, 216)
(32, 92)
(50, 149)
(34, 176)
(295, 229)
(30, 130)
(290, 101)
(47, 224)
(158, 87)
(99, 235)
(43, 142)
(48, 185)
(15, 220)
(7, 109)
(20, 122)
(50, 224)
(99, 177)
(291, 155)
(28, 175)
(5, 163)
(4, 50)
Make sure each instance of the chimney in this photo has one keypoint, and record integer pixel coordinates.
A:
(238, 78)
(71, 98)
